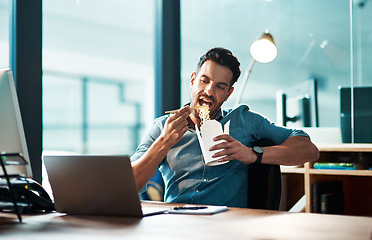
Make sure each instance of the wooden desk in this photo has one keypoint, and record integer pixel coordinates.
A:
(234, 224)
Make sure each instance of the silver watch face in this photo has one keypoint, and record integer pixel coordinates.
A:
(257, 149)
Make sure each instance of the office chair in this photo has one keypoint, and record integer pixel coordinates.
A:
(264, 183)
(155, 188)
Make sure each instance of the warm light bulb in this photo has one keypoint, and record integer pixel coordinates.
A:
(263, 51)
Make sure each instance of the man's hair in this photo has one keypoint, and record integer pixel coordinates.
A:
(223, 57)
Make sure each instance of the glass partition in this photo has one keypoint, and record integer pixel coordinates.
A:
(313, 41)
(357, 127)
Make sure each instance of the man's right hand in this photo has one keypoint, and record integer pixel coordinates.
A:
(176, 126)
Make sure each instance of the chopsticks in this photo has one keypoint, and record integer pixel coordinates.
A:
(192, 108)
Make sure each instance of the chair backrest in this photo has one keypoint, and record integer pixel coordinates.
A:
(264, 183)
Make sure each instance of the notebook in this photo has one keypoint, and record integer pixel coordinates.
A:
(95, 185)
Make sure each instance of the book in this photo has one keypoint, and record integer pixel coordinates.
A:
(335, 166)
(321, 188)
(332, 203)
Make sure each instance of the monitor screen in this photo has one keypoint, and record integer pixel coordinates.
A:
(362, 114)
(12, 137)
(297, 107)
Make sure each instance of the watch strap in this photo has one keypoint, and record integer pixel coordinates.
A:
(258, 153)
(259, 158)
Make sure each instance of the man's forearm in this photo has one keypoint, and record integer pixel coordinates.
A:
(294, 151)
(145, 166)
(175, 127)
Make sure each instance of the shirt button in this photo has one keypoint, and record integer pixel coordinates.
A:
(204, 180)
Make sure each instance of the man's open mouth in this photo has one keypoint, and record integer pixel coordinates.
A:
(205, 101)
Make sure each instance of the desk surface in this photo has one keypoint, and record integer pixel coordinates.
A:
(237, 223)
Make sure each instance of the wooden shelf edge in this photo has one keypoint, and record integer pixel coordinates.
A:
(286, 169)
(345, 147)
(367, 173)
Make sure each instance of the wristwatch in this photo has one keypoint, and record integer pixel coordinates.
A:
(259, 152)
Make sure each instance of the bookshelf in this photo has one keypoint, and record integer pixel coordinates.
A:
(356, 184)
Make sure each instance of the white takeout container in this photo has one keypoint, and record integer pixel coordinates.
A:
(209, 130)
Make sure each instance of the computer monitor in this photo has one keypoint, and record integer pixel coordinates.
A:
(12, 137)
(362, 114)
(297, 107)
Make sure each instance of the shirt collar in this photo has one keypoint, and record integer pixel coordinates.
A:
(219, 115)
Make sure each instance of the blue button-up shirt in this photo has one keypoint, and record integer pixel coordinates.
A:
(189, 180)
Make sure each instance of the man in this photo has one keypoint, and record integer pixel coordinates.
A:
(171, 145)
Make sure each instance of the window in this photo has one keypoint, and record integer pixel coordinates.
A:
(97, 75)
(4, 36)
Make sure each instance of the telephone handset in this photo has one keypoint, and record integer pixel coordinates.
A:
(29, 194)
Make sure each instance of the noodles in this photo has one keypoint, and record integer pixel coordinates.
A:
(204, 114)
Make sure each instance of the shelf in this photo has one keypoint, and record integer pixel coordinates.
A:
(286, 169)
(367, 173)
(356, 183)
(345, 147)
(341, 172)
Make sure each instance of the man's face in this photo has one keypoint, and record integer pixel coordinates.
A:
(211, 87)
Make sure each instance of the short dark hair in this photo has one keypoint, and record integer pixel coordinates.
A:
(223, 57)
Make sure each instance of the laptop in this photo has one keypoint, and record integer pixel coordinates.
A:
(95, 185)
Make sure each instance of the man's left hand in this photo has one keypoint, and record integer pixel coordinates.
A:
(233, 149)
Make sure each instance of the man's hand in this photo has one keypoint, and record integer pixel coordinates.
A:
(293, 151)
(175, 127)
(233, 149)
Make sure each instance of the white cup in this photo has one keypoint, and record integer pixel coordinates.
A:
(209, 130)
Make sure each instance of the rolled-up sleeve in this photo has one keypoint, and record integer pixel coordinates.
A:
(259, 127)
(152, 134)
